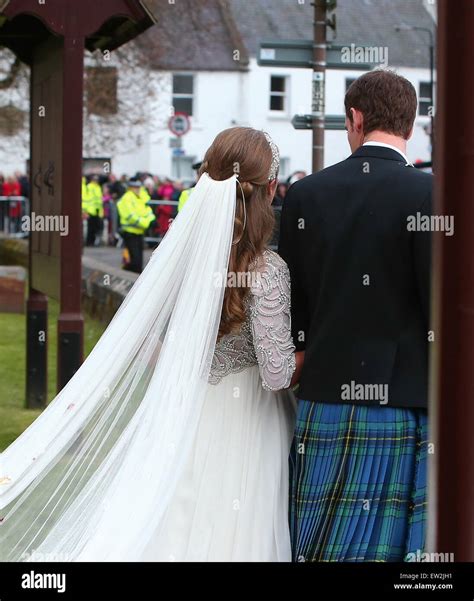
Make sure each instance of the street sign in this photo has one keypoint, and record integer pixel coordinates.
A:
(299, 54)
(178, 152)
(176, 142)
(296, 53)
(179, 124)
(317, 104)
(331, 122)
(302, 121)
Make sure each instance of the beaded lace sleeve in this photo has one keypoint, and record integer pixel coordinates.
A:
(270, 319)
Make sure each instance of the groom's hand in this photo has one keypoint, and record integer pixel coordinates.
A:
(299, 355)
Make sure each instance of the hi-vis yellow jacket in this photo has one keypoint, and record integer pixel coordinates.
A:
(183, 198)
(84, 194)
(135, 215)
(144, 194)
(92, 199)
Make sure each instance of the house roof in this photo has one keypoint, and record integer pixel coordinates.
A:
(204, 35)
(362, 22)
(192, 35)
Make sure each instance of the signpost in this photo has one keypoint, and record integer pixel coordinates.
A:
(331, 122)
(179, 124)
(299, 54)
(176, 142)
(318, 55)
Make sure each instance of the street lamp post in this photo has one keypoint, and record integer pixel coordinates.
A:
(431, 47)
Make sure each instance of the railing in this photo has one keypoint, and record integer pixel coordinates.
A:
(154, 238)
(10, 225)
(12, 210)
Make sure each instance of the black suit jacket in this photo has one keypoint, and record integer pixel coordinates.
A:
(360, 279)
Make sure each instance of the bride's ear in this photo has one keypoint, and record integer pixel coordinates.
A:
(271, 189)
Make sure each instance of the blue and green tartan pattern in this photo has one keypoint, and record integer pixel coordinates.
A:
(358, 482)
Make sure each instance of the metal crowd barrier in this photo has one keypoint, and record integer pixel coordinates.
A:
(10, 225)
(154, 238)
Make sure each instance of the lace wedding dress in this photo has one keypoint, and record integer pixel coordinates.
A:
(168, 443)
(231, 503)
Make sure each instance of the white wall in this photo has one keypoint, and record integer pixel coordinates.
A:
(217, 106)
(224, 99)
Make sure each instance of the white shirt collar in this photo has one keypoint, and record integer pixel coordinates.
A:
(374, 143)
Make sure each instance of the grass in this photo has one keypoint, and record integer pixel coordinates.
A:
(14, 417)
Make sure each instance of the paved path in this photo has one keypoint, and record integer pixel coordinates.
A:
(111, 255)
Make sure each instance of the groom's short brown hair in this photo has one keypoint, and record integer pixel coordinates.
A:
(387, 101)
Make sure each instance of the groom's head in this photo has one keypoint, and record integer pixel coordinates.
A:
(379, 102)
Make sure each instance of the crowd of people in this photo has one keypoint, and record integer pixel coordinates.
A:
(12, 188)
(101, 195)
(143, 205)
(118, 210)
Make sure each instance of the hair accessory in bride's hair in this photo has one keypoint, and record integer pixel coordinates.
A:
(275, 166)
(245, 213)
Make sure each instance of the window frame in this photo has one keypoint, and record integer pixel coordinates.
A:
(285, 95)
(425, 100)
(186, 96)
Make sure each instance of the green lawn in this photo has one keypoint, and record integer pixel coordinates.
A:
(14, 418)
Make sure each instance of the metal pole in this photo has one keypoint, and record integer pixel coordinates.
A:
(319, 79)
(432, 133)
(71, 321)
(452, 392)
(36, 385)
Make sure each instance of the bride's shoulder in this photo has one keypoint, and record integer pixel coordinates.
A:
(272, 272)
(273, 260)
(269, 261)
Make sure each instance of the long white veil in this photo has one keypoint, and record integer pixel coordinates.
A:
(91, 478)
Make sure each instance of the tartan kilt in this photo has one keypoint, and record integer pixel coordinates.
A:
(358, 482)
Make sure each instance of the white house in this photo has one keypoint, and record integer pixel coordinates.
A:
(201, 59)
(219, 91)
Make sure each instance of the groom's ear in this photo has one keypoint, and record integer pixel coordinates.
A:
(357, 120)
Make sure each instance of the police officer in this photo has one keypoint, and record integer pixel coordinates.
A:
(135, 218)
(93, 206)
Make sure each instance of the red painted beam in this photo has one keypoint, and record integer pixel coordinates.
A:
(76, 18)
(453, 366)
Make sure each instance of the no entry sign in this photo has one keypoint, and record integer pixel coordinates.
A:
(179, 124)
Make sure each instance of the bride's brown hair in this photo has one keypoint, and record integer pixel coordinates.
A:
(245, 152)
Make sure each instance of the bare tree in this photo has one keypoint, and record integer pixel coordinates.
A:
(14, 103)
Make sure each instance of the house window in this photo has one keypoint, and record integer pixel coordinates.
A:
(183, 94)
(284, 171)
(101, 90)
(12, 120)
(182, 168)
(424, 99)
(349, 82)
(278, 93)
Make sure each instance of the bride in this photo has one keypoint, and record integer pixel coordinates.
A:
(171, 442)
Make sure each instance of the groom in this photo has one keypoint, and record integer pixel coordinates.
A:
(360, 279)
